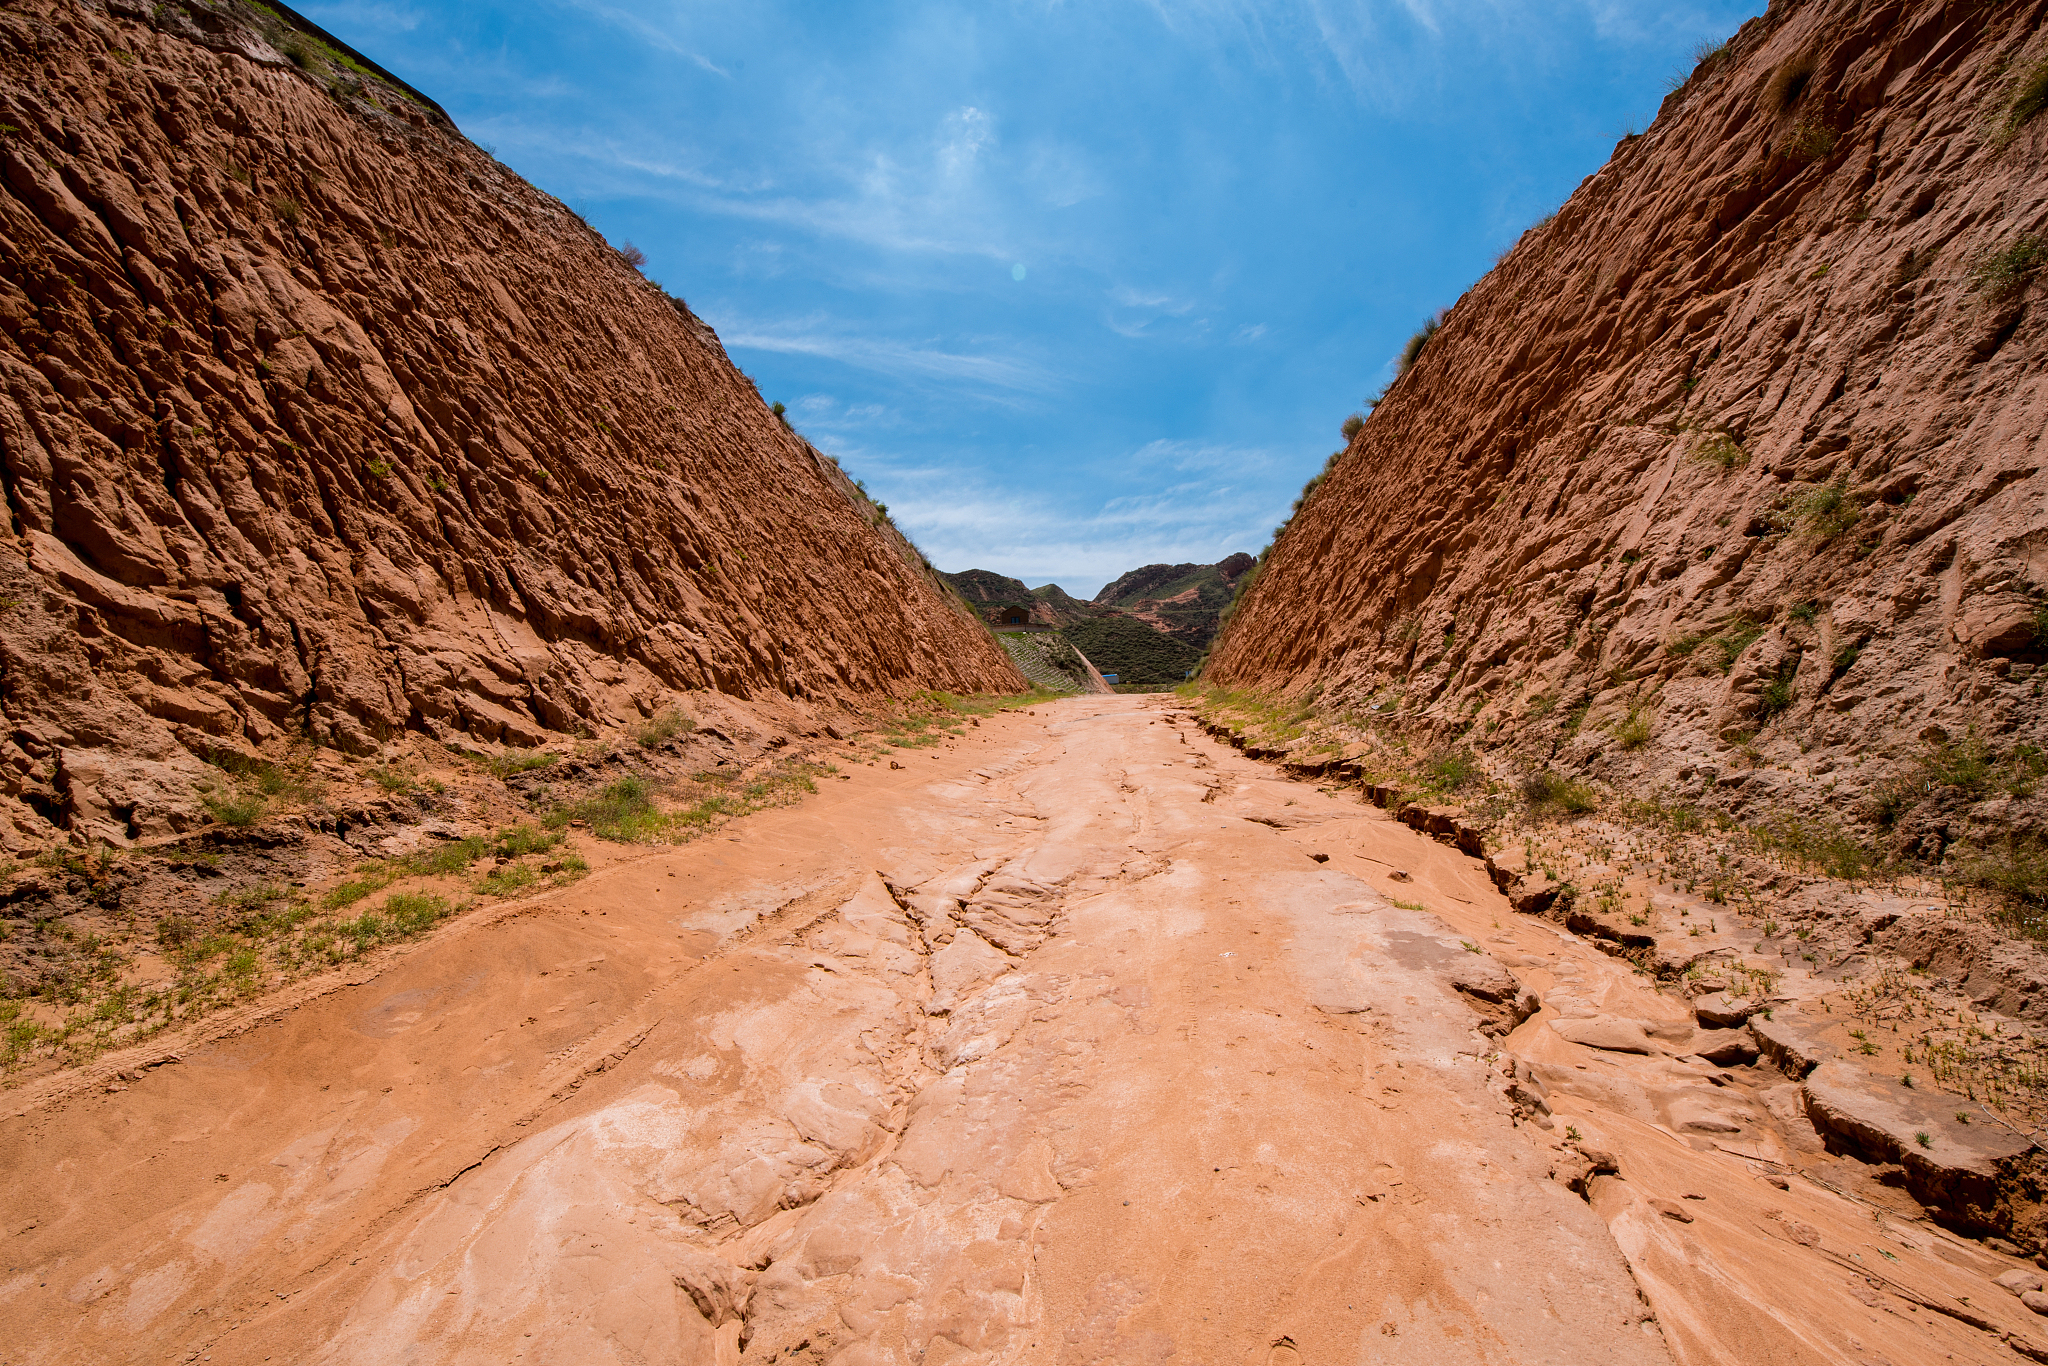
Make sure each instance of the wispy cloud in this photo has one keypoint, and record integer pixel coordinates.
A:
(648, 33)
(364, 14)
(886, 355)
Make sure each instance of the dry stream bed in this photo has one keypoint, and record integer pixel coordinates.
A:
(1078, 1038)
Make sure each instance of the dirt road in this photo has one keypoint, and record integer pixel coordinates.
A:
(1059, 1044)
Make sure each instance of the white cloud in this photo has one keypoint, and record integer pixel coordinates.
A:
(647, 33)
(885, 355)
(383, 18)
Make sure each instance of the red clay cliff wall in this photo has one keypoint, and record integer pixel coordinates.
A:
(318, 421)
(1531, 539)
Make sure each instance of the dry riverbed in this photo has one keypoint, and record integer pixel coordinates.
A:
(1078, 1038)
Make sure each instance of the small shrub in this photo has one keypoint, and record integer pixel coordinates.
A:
(232, 806)
(2029, 97)
(414, 914)
(2003, 273)
(1634, 731)
(286, 209)
(354, 889)
(507, 880)
(1708, 51)
(632, 255)
(1779, 692)
(1549, 790)
(1353, 425)
(659, 730)
(1719, 448)
(1828, 511)
(392, 779)
(505, 765)
(378, 469)
(1811, 141)
(1788, 82)
(623, 812)
(1451, 769)
(1415, 343)
(1923, 1140)
(1965, 765)
(2020, 871)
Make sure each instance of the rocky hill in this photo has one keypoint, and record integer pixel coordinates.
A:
(321, 425)
(1724, 486)
(1066, 609)
(1185, 601)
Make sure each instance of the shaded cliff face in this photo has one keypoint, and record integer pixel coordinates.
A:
(1725, 483)
(317, 422)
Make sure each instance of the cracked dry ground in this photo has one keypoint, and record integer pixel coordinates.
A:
(1058, 1045)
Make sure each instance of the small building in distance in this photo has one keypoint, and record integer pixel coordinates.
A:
(1015, 616)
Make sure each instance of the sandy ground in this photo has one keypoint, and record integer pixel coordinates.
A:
(1058, 1044)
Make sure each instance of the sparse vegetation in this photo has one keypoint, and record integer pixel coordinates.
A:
(1720, 649)
(1452, 769)
(1721, 449)
(1413, 349)
(632, 255)
(1828, 511)
(1788, 82)
(2004, 272)
(626, 811)
(1810, 141)
(1353, 425)
(1548, 791)
(1633, 732)
(2029, 97)
(1779, 691)
(662, 728)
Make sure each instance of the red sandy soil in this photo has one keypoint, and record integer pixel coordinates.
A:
(1056, 1044)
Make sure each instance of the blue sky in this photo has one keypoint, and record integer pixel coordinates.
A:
(1073, 285)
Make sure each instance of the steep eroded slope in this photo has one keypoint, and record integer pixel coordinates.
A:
(1740, 451)
(317, 422)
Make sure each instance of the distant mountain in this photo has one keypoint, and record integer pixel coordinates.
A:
(983, 585)
(1177, 604)
(1066, 609)
(1179, 600)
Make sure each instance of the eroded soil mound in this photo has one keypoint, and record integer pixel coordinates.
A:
(319, 423)
(1725, 482)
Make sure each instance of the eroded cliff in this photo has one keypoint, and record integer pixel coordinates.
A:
(1725, 483)
(319, 423)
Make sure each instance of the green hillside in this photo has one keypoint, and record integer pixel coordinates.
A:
(1132, 650)
(1192, 622)
(983, 585)
(1066, 608)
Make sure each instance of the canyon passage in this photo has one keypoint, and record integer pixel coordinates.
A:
(509, 854)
